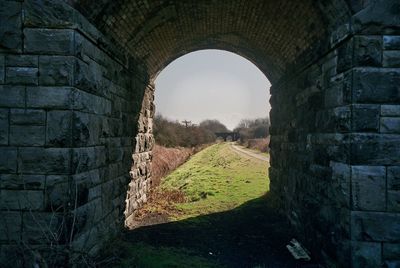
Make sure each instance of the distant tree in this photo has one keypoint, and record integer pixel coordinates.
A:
(213, 126)
(253, 128)
(173, 134)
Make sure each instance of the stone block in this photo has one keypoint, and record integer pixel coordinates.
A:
(85, 159)
(22, 76)
(12, 96)
(378, 17)
(4, 122)
(91, 103)
(391, 42)
(390, 125)
(366, 118)
(48, 14)
(58, 193)
(19, 182)
(341, 176)
(366, 254)
(391, 59)
(27, 135)
(49, 97)
(49, 41)
(88, 76)
(21, 200)
(375, 226)
(345, 56)
(369, 188)
(390, 110)
(10, 226)
(372, 85)
(334, 120)
(88, 215)
(2, 70)
(27, 117)
(22, 61)
(367, 51)
(393, 201)
(393, 178)
(56, 70)
(86, 129)
(40, 226)
(44, 160)
(59, 128)
(8, 160)
(391, 251)
(10, 28)
(375, 149)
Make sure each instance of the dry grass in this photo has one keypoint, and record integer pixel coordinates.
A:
(165, 160)
(261, 145)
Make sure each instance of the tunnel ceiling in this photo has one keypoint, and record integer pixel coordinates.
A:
(270, 33)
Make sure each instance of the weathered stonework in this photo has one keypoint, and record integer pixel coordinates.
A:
(76, 112)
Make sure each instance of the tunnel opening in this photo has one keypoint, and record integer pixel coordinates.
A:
(206, 87)
(74, 75)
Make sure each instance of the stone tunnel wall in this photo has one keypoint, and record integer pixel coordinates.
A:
(72, 112)
(335, 145)
(69, 108)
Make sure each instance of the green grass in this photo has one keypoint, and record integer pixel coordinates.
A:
(144, 255)
(217, 179)
(214, 180)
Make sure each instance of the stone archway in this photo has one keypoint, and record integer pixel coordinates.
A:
(73, 86)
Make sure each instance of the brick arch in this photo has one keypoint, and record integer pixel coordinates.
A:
(77, 100)
(272, 35)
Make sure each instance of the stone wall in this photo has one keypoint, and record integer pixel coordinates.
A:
(69, 108)
(335, 144)
(142, 156)
(72, 113)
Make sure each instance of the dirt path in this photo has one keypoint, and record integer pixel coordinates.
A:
(249, 153)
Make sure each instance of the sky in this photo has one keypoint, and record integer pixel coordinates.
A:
(212, 84)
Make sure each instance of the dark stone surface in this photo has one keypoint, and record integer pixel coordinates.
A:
(8, 160)
(27, 135)
(391, 42)
(2, 69)
(49, 97)
(12, 96)
(56, 71)
(49, 41)
(22, 75)
(376, 86)
(385, 149)
(391, 59)
(48, 14)
(375, 226)
(22, 61)
(19, 181)
(10, 27)
(366, 255)
(390, 125)
(44, 160)
(59, 128)
(367, 51)
(27, 117)
(4, 122)
(366, 118)
(369, 188)
(86, 129)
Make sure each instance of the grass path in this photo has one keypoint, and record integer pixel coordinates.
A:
(217, 179)
(221, 217)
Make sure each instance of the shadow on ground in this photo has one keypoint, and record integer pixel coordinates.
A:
(252, 235)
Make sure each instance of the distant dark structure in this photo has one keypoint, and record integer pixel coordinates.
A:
(234, 136)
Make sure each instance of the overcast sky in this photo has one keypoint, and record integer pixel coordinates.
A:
(212, 84)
